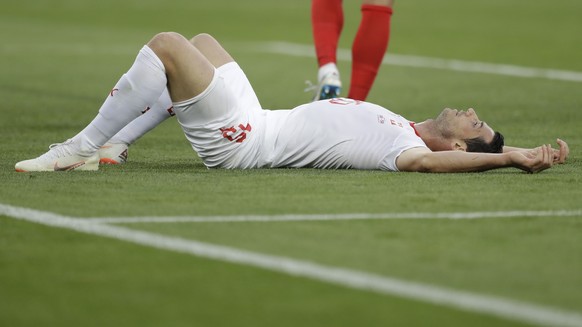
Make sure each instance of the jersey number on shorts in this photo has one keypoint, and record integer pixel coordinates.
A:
(236, 134)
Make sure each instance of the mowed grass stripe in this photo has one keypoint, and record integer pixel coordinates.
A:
(500, 307)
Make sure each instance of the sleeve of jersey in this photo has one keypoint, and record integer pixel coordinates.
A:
(404, 142)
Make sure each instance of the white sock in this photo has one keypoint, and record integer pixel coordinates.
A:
(158, 113)
(329, 68)
(136, 90)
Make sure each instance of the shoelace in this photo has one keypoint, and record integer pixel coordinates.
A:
(59, 150)
(310, 87)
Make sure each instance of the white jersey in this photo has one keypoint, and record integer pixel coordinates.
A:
(228, 128)
(339, 133)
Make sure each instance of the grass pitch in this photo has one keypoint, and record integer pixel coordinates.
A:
(60, 59)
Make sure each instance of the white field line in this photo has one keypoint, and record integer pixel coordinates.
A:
(302, 50)
(352, 216)
(496, 306)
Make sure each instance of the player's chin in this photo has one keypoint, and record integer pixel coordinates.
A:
(445, 113)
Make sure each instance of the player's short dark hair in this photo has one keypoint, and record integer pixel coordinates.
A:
(479, 145)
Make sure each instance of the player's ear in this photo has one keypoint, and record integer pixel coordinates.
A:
(459, 145)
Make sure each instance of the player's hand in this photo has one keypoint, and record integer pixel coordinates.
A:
(534, 160)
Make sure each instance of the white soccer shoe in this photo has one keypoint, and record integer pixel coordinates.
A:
(113, 153)
(328, 88)
(60, 157)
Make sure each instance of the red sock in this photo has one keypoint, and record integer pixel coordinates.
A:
(327, 20)
(368, 49)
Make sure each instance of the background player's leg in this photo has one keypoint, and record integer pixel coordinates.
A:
(369, 46)
(327, 21)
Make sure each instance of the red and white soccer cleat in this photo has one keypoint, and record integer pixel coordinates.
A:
(60, 157)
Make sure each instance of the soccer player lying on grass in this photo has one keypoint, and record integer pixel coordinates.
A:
(225, 124)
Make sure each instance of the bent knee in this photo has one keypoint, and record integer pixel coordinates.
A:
(164, 43)
(202, 38)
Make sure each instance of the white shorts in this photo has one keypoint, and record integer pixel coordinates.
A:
(225, 123)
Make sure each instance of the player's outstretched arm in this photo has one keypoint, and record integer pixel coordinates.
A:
(424, 160)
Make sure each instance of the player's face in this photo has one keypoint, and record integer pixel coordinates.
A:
(464, 124)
